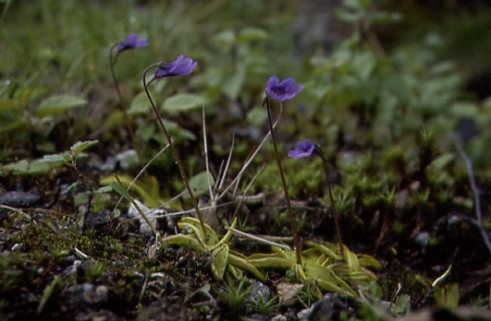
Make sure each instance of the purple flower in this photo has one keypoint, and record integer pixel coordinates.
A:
(182, 66)
(302, 149)
(281, 91)
(133, 41)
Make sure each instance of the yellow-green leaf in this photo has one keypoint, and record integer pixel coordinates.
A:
(219, 263)
(181, 239)
(351, 259)
(448, 295)
(242, 263)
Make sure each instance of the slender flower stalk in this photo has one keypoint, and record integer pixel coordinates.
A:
(282, 91)
(132, 42)
(291, 216)
(183, 70)
(113, 57)
(306, 148)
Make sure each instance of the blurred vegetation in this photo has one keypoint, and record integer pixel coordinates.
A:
(385, 85)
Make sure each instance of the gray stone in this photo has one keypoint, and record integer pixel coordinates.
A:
(19, 199)
(259, 292)
(279, 317)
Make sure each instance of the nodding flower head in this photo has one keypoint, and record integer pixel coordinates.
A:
(133, 41)
(182, 66)
(303, 149)
(282, 90)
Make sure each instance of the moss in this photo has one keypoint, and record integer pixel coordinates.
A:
(305, 178)
(46, 251)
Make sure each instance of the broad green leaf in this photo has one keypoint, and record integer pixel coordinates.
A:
(60, 103)
(199, 183)
(114, 120)
(45, 164)
(257, 116)
(104, 189)
(145, 132)
(225, 38)
(465, 109)
(252, 34)
(21, 166)
(81, 198)
(79, 147)
(56, 158)
(183, 102)
(25, 167)
(140, 105)
(233, 85)
(178, 132)
(364, 64)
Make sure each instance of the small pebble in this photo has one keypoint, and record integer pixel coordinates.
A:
(127, 159)
(422, 239)
(279, 317)
(101, 293)
(327, 308)
(258, 317)
(19, 199)
(98, 220)
(260, 292)
(303, 313)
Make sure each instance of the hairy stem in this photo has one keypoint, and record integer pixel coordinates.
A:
(175, 153)
(113, 57)
(291, 216)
